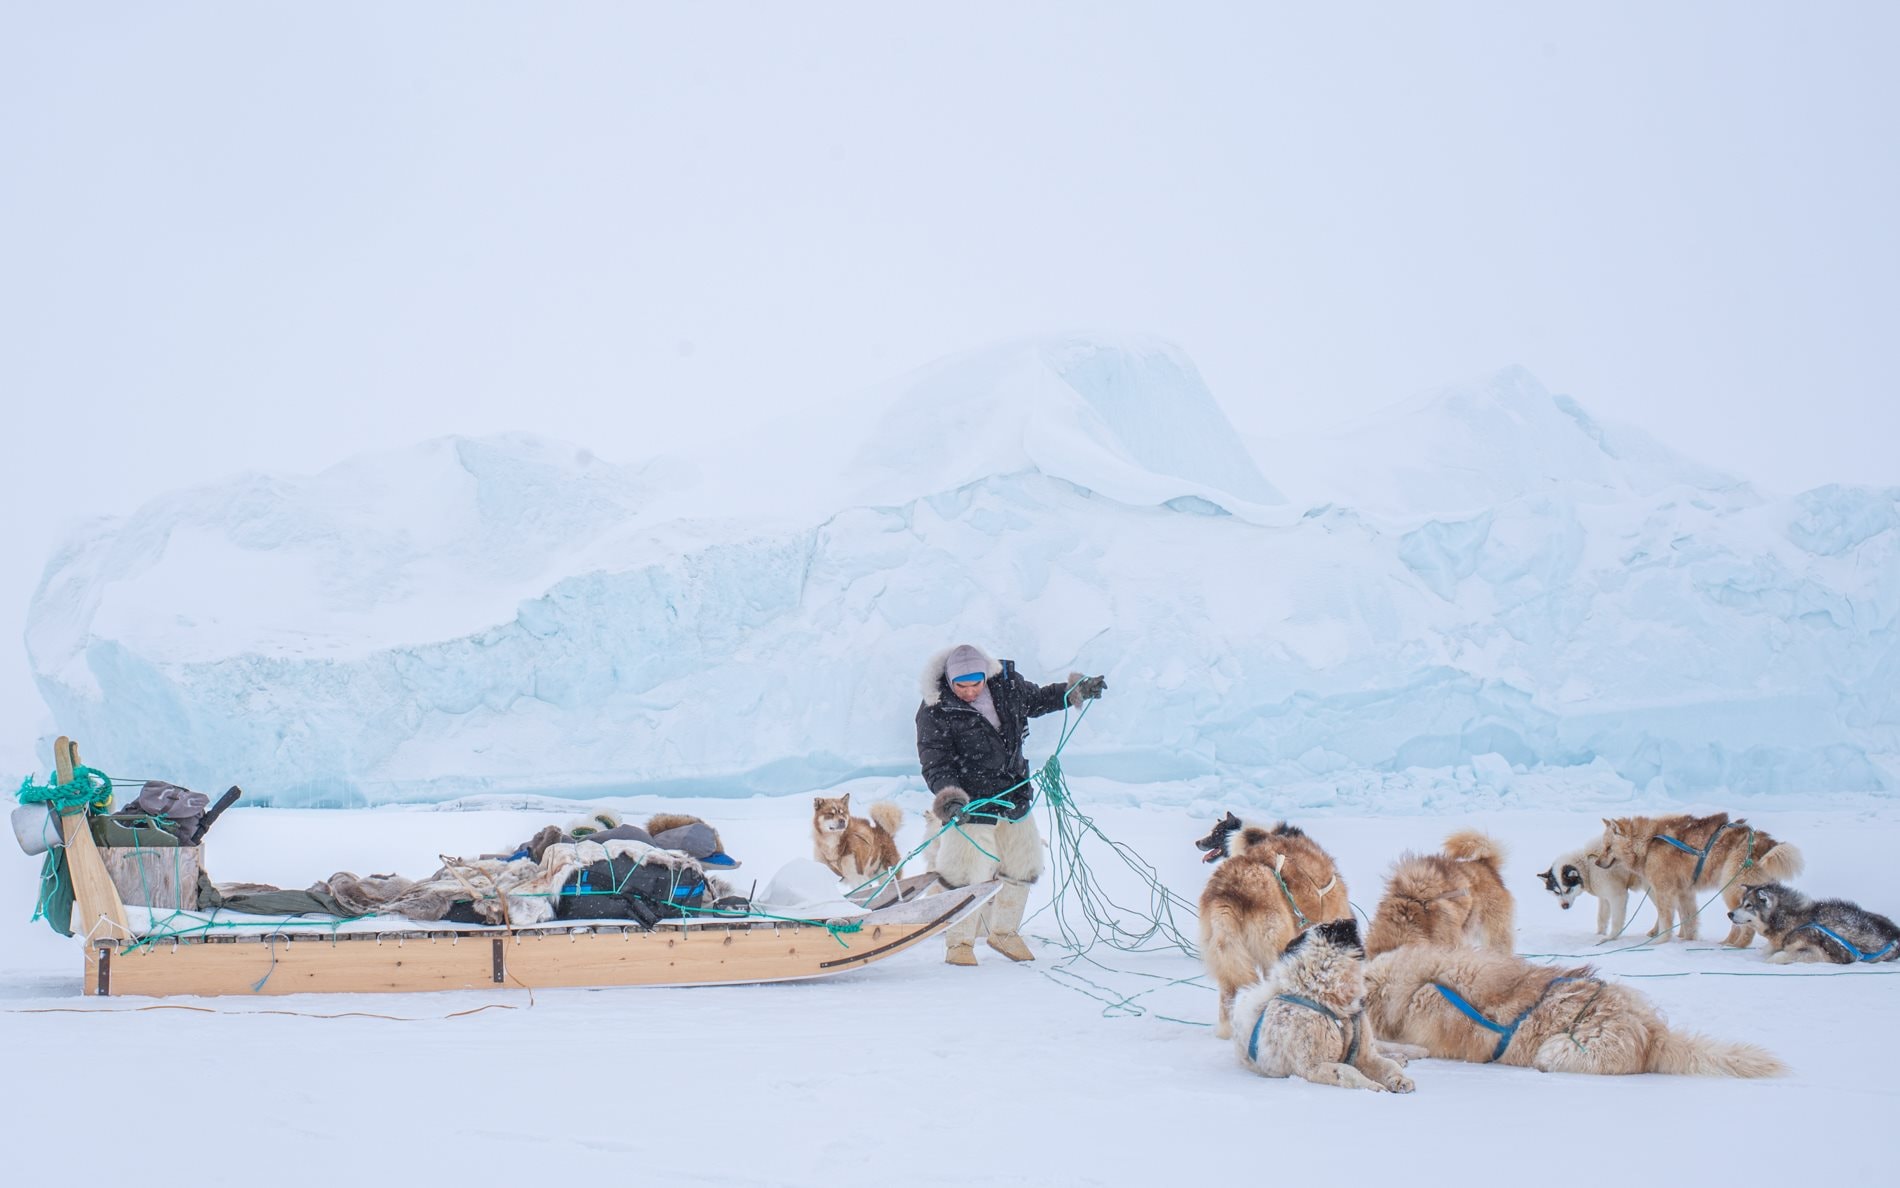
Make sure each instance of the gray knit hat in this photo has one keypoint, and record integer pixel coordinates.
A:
(965, 659)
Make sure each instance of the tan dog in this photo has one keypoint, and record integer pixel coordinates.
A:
(1453, 898)
(855, 849)
(1275, 881)
(1307, 1019)
(1537, 1016)
(1677, 856)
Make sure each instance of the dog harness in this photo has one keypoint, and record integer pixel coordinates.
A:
(1838, 939)
(1350, 1030)
(1505, 1033)
(1702, 855)
(1288, 892)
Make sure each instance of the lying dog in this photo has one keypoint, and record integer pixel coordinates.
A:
(855, 849)
(1308, 1018)
(1275, 881)
(1675, 857)
(1803, 929)
(1456, 897)
(1577, 872)
(1484, 1007)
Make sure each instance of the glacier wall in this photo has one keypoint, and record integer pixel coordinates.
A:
(1486, 579)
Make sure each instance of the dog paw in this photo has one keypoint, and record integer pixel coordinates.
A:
(1400, 1084)
(1781, 957)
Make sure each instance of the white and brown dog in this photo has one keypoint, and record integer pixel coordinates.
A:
(1577, 872)
(1308, 1018)
(1451, 898)
(1679, 855)
(1484, 1007)
(855, 849)
(1274, 882)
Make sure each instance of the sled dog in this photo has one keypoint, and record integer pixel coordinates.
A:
(1485, 1007)
(1803, 929)
(1308, 1018)
(855, 849)
(1577, 872)
(1455, 897)
(1677, 856)
(1274, 882)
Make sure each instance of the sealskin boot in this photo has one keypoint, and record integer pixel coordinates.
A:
(960, 953)
(1011, 945)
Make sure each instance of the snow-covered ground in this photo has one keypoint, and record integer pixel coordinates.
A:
(913, 1072)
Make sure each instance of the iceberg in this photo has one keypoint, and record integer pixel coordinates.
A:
(1486, 582)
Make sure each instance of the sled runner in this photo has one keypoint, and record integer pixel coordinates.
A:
(365, 956)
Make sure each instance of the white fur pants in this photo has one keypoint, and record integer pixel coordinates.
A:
(1017, 861)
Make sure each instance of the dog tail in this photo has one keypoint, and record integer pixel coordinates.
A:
(1782, 863)
(887, 816)
(1470, 845)
(1685, 1053)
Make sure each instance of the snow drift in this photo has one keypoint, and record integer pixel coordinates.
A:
(1486, 581)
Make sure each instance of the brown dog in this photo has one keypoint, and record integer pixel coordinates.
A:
(1677, 856)
(1469, 1004)
(1275, 881)
(1453, 898)
(855, 849)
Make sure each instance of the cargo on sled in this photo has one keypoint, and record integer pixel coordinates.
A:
(144, 950)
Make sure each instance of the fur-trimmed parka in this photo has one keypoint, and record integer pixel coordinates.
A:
(958, 747)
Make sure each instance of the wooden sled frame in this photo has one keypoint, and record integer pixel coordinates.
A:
(593, 953)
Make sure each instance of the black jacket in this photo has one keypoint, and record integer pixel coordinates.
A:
(957, 745)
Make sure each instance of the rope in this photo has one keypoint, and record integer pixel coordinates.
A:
(90, 790)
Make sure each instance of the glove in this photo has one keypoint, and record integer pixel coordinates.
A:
(949, 802)
(1085, 688)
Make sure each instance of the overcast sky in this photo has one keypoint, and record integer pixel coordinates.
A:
(254, 236)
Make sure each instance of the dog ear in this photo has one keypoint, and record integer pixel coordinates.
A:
(1343, 932)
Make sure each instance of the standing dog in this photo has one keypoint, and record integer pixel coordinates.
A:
(1468, 1004)
(1308, 1018)
(1274, 882)
(1677, 856)
(1452, 898)
(855, 849)
(1803, 929)
(1576, 872)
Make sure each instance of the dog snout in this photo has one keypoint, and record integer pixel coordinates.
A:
(1566, 904)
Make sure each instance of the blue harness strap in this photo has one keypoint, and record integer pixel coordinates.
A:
(1505, 1033)
(1840, 940)
(1350, 1031)
(1702, 855)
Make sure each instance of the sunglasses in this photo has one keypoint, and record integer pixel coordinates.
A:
(968, 678)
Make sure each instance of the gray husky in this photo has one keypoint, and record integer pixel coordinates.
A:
(1803, 929)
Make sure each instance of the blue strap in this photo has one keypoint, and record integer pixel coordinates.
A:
(1840, 940)
(1505, 1033)
(1350, 1031)
(1701, 855)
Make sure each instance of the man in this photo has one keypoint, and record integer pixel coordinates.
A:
(970, 732)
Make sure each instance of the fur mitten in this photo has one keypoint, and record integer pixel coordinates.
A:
(949, 802)
(1085, 688)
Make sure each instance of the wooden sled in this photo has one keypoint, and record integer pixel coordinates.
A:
(592, 953)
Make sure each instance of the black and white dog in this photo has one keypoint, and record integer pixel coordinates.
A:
(1803, 929)
(1576, 872)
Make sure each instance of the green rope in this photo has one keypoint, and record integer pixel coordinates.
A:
(90, 790)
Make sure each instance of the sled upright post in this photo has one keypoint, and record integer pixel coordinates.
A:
(99, 912)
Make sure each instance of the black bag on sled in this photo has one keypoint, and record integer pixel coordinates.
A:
(623, 889)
